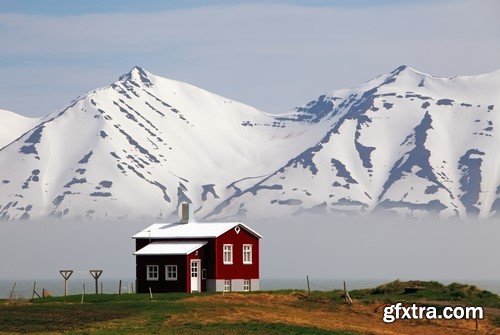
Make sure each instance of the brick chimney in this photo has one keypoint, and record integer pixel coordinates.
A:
(187, 213)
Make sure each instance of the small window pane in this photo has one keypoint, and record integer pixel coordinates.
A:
(228, 254)
(194, 270)
(247, 254)
(171, 272)
(246, 285)
(152, 272)
(227, 285)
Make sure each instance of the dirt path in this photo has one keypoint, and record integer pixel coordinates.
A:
(292, 309)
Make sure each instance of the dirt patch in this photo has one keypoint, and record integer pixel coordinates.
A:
(295, 309)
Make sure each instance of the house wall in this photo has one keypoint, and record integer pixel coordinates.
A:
(206, 254)
(217, 285)
(183, 262)
(161, 285)
(237, 270)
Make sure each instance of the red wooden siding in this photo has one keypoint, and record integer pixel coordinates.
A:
(237, 270)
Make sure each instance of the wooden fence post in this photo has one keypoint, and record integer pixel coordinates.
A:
(12, 292)
(83, 293)
(347, 297)
(308, 286)
(34, 290)
(345, 292)
(66, 274)
(120, 287)
(96, 274)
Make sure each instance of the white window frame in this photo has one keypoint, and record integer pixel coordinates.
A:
(227, 285)
(148, 272)
(247, 284)
(249, 252)
(172, 271)
(228, 251)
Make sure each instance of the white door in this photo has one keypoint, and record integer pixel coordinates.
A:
(195, 276)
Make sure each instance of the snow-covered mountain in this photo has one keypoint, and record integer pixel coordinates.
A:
(403, 142)
(13, 125)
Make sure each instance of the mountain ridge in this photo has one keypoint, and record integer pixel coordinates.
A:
(374, 147)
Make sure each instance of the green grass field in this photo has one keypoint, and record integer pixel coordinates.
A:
(128, 314)
(277, 312)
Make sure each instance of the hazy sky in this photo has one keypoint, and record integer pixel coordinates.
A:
(270, 54)
(336, 247)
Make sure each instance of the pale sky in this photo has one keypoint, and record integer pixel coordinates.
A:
(273, 55)
(333, 247)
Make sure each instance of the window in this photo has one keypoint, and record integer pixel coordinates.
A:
(228, 254)
(227, 285)
(246, 285)
(204, 274)
(247, 254)
(170, 272)
(194, 269)
(152, 272)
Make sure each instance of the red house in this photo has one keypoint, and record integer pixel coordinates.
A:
(190, 256)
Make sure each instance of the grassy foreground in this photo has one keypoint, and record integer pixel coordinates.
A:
(276, 312)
